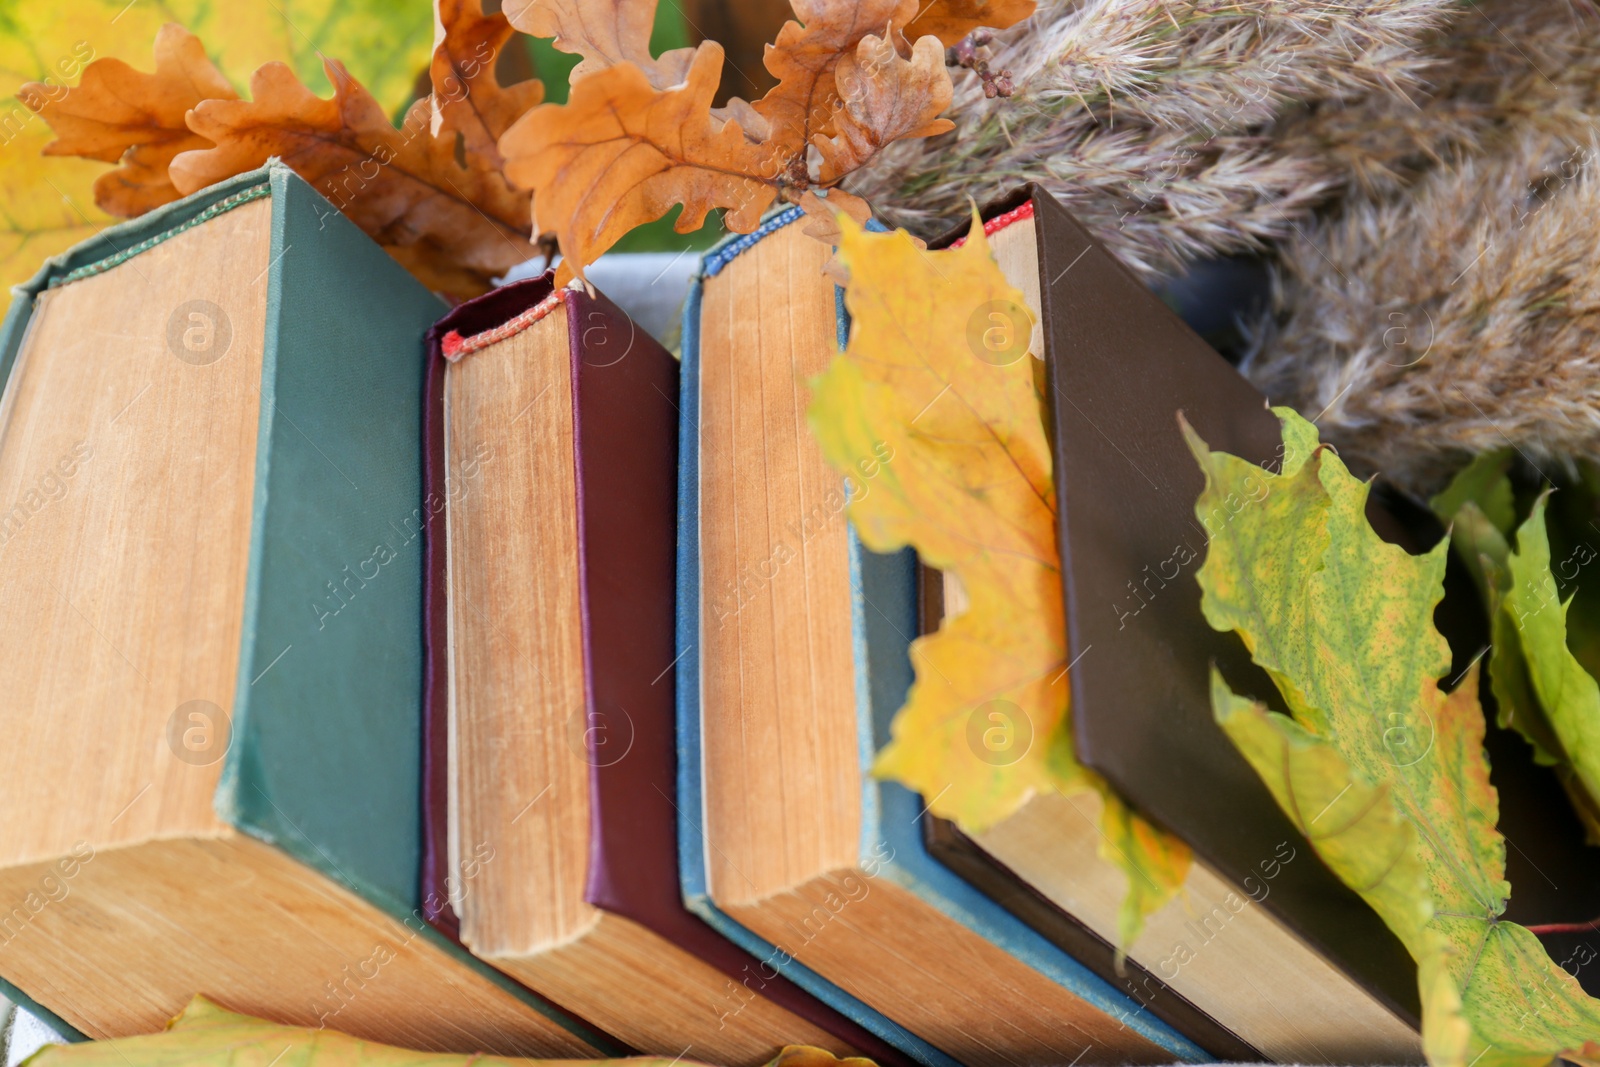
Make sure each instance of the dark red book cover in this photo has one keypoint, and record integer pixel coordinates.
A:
(625, 420)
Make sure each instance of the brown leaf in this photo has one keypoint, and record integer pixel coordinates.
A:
(886, 98)
(454, 224)
(626, 148)
(802, 105)
(822, 224)
(622, 152)
(123, 116)
(951, 20)
(822, 220)
(755, 126)
(455, 227)
(604, 33)
(467, 98)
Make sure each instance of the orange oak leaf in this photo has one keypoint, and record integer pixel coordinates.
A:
(886, 98)
(622, 152)
(804, 59)
(455, 227)
(755, 126)
(822, 220)
(822, 224)
(951, 20)
(467, 98)
(633, 141)
(121, 115)
(604, 33)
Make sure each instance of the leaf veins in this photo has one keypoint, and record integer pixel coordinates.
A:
(886, 98)
(639, 134)
(1343, 623)
(135, 120)
(621, 152)
(431, 192)
(604, 33)
(968, 483)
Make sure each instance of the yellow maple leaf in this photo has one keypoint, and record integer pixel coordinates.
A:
(49, 203)
(206, 1033)
(940, 435)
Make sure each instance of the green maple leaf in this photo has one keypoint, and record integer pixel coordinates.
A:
(1382, 770)
(1541, 688)
(1569, 696)
(1478, 506)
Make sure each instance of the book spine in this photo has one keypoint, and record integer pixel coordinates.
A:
(626, 452)
(690, 800)
(470, 318)
(433, 870)
(331, 647)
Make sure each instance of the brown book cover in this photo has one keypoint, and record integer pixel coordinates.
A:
(1121, 366)
(625, 421)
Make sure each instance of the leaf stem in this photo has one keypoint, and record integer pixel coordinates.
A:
(1564, 928)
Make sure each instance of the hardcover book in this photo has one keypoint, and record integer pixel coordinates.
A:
(1263, 951)
(553, 442)
(792, 648)
(1268, 943)
(211, 577)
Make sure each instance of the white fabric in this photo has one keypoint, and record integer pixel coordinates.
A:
(24, 1036)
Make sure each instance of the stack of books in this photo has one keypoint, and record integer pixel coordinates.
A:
(487, 679)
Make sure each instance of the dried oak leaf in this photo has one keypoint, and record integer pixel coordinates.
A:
(631, 143)
(621, 152)
(947, 452)
(604, 33)
(822, 223)
(805, 58)
(951, 20)
(886, 98)
(455, 225)
(49, 202)
(136, 120)
(467, 97)
(823, 213)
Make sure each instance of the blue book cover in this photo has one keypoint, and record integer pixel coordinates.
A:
(884, 618)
